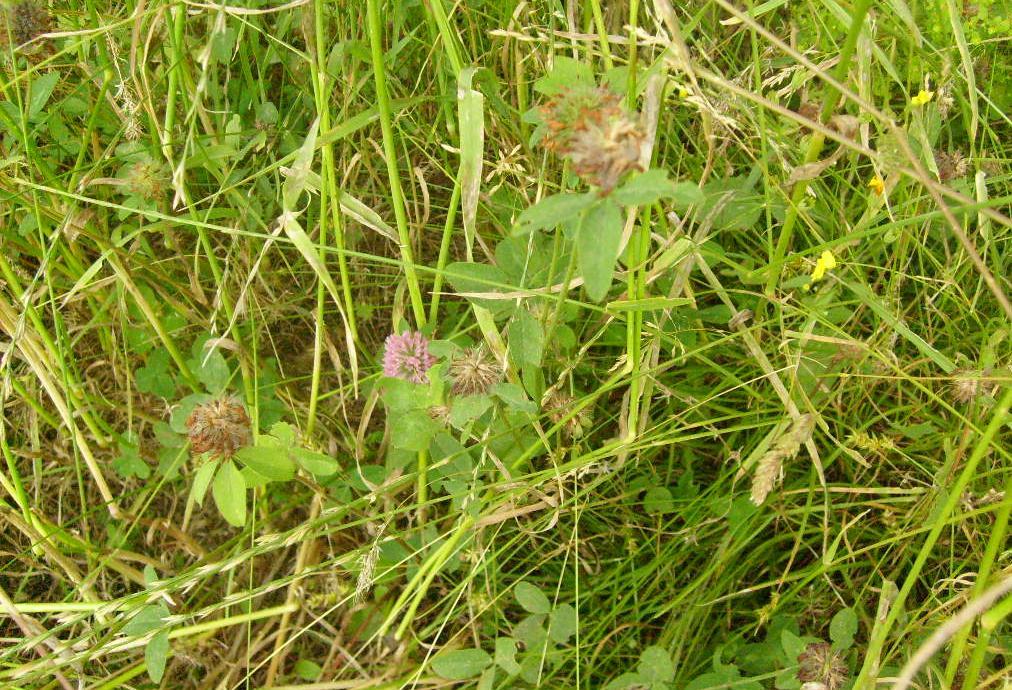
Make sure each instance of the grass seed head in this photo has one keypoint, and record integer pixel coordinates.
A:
(770, 469)
(220, 427)
(872, 443)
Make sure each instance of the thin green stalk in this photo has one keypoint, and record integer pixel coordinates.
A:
(639, 248)
(329, 201)
(869, 670)
(390, 153)
(444, 250)
(829, 103)
(438, 12)
(178, 14)
(994, 544)
(15, 486)
(602, 33)
(560, 299)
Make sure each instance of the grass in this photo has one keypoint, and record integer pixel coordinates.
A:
(745, 417)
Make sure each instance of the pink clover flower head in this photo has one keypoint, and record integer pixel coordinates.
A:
(407, 357)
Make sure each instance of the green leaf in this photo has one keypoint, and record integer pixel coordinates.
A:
(552, 211)
(166, 436)
(658, 501)
(843, 628)
(412, 430)
(531, 630)
(724, 678)
(147, 619)
(739, 205)
(787, 679)
(532, 599)
(685, 194)
(515, 397)
(625, 681)
(646, 188)
(597, 248)
(229, 491)
(526, 338)
(179, 413)
(202, 480)
(470, 277)
(129, 463)
(154, 376)
(156, 653)
(308, 251)
(506, 655)
(566, 73)
(467, 408)
(562, 623)
(470, 115)
(308, 670)
(42, 89)
(487, 679)
(298, 176)
(270, 462)
(655, 665)
(253, 479)
(212, 370)
(317, 464)
(646, 304)
(285, 434)
(792, 645)
(461, 664)
(403, 396)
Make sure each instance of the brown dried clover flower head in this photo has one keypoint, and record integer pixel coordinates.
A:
(821, 666)
(440, 413)
(967, 385)
(590, 127)
(951, 165)
(220, 427)
(148, 179)
(474, 371)
(558, 405)
(23, 21)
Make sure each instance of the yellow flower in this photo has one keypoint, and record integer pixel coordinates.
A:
(922, 97)
(877, 185)
(826, 262)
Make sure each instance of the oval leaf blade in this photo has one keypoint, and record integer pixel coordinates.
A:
(269, 462)
(229, 490)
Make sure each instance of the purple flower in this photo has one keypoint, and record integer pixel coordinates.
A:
(407, 357)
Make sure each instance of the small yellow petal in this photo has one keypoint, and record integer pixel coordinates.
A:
(877, 185)
(826, 262)
(922, 97)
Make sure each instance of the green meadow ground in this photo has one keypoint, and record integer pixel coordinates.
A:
(722, 347)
